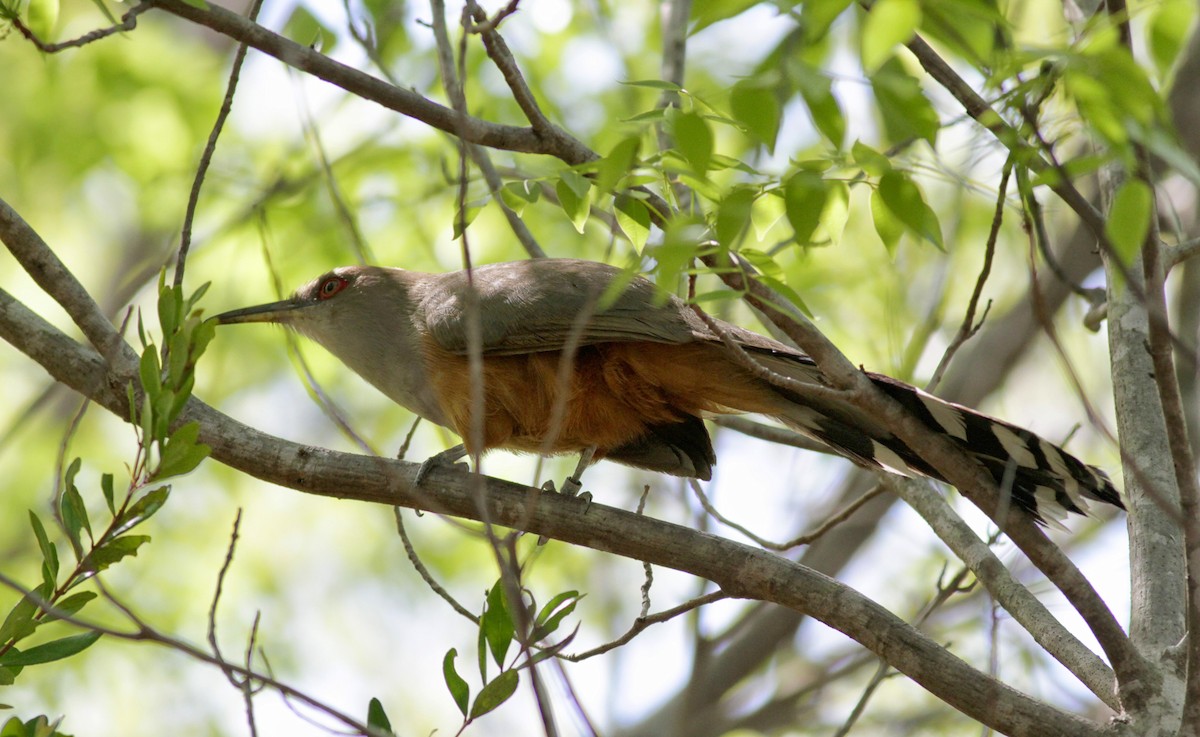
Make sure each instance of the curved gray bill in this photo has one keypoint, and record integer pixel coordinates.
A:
(273, 312)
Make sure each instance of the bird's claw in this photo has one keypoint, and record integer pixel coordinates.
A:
(571, 488)
(446, 459)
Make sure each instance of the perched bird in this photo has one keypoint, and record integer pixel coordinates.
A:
(644, 370)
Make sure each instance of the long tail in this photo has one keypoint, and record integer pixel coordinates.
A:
(1039, 476)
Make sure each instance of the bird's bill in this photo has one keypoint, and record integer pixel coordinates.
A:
(273, 312)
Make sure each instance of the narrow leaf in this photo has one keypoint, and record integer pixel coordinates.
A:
(459, 690)
(50, 651)
(106, 486)
(497, 624)
(70, 605)
(113, 551)
(19, 623)
(377, 717)
(49, 550)
(143, 509)
(495, 693)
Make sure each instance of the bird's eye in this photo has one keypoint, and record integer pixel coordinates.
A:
(331, 286)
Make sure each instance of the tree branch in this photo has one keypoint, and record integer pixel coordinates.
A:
(403, 101)
(738, 569)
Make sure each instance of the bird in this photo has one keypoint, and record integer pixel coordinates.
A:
(583, 357)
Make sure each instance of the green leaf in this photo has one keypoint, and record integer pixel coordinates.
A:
(113, 551)
(816, 16)
(621, 160)
(182, 453)
(804, 200)
(871, 161)
(905, 110)
(551, 615)
(149, 372)
(817, 90)
(756, 107)
(655, 84)
(7, 678)
(459, 690)
(633, 217)
(50, 651)
(170, 304)
(787, 292)
(1167, 31)
(106, 486)
(887, 225)
(49, 552)
(70, 605)
(143, 509)
(494, 693)
(305, 28)
(889, 22)
(73, 511)
(19, 623)
(1129, 218)
(704, 14)
(377, 717)
(496, 624)
(694, 140)
(572, 203)
(41, 16)
(903, 197)
(733, 215)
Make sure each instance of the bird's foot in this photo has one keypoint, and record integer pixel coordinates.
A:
(448, 458)
(572, 488)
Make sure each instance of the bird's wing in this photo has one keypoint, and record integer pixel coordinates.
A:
(539, 304)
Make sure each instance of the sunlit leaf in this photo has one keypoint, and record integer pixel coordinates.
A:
(903, 197)
(733, 215)
(817, 90)
(889, 22)
(1129, 219)
(804, 200)
(756, 107)
(903, 108)
(694, 140)
(816, 16)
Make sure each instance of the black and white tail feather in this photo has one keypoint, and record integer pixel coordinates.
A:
(1039, 476)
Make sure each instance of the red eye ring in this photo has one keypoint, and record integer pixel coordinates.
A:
(330, 286)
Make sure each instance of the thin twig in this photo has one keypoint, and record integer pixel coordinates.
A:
(235, 73)
(128, 23)
(642, 623)
(969, 327)
(833, 520)
(424, 573)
